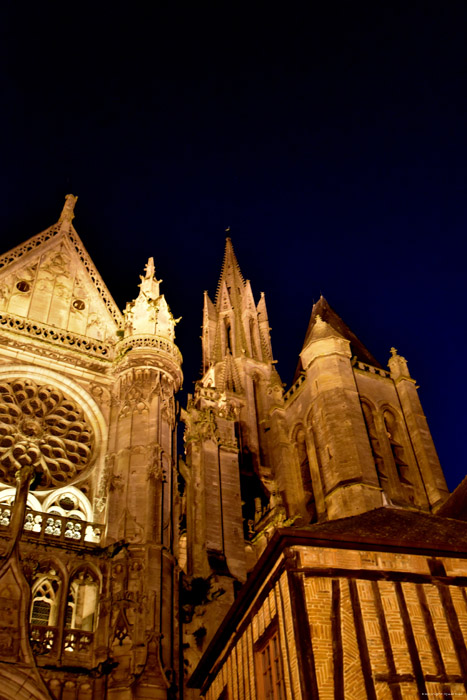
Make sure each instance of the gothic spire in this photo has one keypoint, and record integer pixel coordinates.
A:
(230, 273)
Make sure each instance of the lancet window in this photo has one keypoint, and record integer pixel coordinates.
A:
(387, 441)
(228, 335)
(81, 607)
(375, 443)
(399, 453)
(50, 614)
(254, 348)
(305, 472)
(45, 596)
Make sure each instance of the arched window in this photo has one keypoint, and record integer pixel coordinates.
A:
(44, 609)
(228, 335)
(254, 349)
(45, 599)
(304, 462)
(375, 445)
(70, 503)
(395, 438)
(257, 397)
(81, 607)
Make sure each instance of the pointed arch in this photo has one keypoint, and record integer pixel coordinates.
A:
(46, 606)
(369, 412)
(7, 496)
(70, 502)
(396, 439)
(299, 440)
(82, 600)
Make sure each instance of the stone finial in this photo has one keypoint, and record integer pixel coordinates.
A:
(398, 365)
(68, 213)
(149, 269)
(149, 313)
(149, 283)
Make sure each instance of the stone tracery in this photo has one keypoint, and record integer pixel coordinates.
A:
(42, 428)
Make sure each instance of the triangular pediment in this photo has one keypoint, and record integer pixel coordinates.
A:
(51, 280)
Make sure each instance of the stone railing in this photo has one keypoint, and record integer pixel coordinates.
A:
(53, 529)
(77, 641)
(295, 387)
(370, 369)
(45, 640)
(207, 392)
(149, 341)
(41, 331)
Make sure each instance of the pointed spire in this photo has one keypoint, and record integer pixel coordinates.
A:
(261, 308)
(230, 272)
(68, 213)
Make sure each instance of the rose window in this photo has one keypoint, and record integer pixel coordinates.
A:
(43, 428)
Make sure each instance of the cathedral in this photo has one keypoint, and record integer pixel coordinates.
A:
(303, 547)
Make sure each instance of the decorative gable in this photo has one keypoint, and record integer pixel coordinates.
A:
(51, 280)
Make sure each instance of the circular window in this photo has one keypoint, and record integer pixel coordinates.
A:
(79, 304)
(41, 427)
(68, 501)
(23, 286)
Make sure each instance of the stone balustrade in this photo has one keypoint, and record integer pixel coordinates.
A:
(45, 640)
(42, 331)
(369, 368)
(295, 387)
(53, 528)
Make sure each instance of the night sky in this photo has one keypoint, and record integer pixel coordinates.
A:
(331, 137)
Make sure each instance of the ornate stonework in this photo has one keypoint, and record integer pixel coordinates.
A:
(114, 579)
(43, 428)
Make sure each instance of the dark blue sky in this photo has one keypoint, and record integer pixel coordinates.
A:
(332, 140)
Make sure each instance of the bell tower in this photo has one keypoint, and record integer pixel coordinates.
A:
(241, 479)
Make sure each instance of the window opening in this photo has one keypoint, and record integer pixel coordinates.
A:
(82, 602)
(270, 670)
(44, 609)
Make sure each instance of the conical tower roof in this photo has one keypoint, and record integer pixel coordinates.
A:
(327, 314)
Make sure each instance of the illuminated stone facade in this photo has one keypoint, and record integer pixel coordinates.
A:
(304, 547)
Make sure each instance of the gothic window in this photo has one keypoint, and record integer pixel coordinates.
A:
(304, 462)
(394, 436)
(228, 335)
(45, 600)
(269, 675)
(375, 445)
(7, 498)
(254, 349)
(69, 503)
(82, 600)
(259, 412)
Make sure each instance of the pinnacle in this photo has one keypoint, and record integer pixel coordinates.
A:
(68, 214)
(149, 269)
(230, 271)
